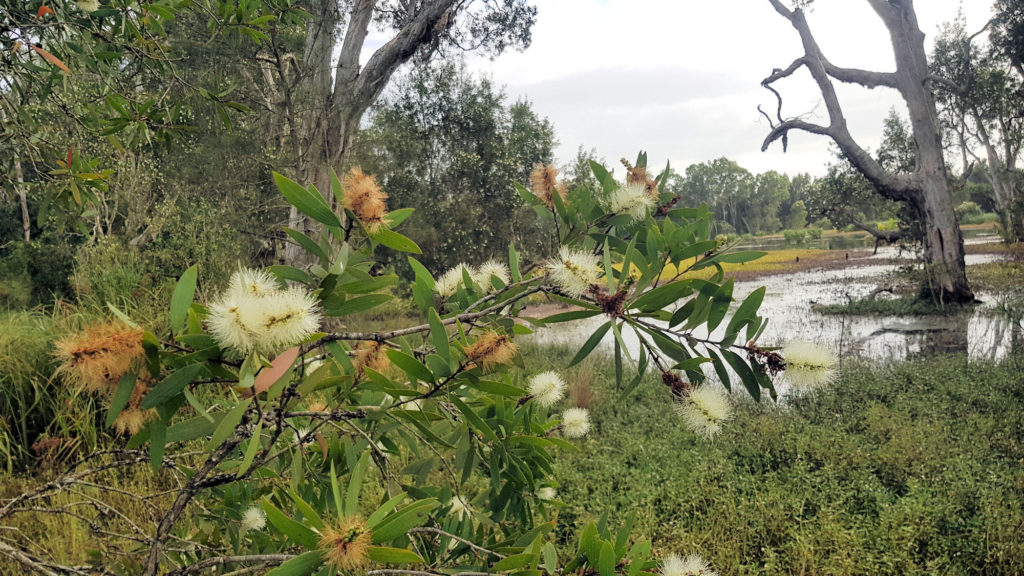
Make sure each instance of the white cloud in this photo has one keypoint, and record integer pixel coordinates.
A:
(682, 78)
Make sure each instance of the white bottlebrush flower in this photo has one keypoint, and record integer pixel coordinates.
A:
(448, 283)
(88, 6)
(704, 411)
(459, 507)
(249, 282)
(483, 273)
(574, 271)
(233, 322)
(546, 493)
(547, 388)
(253, 519)
(692, 565)
(576, 422)
(288, 317)
(809, 365)
(631, 199)
(255, 315)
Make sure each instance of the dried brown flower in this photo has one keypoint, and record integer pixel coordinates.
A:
(98, 356)
(491, 349)
(544, 184)
(364, 198)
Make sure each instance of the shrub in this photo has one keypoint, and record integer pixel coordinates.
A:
(795, 236)
(429, 445)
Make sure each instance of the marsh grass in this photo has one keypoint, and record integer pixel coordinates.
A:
(911, 469)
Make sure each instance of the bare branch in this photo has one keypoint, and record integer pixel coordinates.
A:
(866, 78)
(889, 185)
(264, 559)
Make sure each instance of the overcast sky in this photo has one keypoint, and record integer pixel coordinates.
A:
(681, 78)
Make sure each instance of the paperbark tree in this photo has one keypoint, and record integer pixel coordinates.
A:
(324, 102)
(925, 190)
(982, 101)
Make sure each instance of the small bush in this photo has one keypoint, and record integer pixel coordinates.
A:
(107, 271)
(795, 236)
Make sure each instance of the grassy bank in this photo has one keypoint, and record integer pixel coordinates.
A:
(913, 469)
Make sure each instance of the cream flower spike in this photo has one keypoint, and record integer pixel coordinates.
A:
(809, 365)
(704, 411)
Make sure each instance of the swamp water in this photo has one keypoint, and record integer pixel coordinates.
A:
(789, 304)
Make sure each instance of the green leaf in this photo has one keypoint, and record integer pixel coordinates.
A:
(398, 523)
(181, 299)
(747, 311)
(410, 365)
(637, 557)
(308, 202)
(359, 304)
(439, 335)
(394, 240)
(191, 429)
(550, 558)
(384, 509)
(307, 511)
(739, 257)
(744, 372)
(121, 396)
(172, 385)
(513, 263)
(301, 535)
(253, 447)
(228, 424)
(604, 177)
(474, 419)
(339, 506)
(355, 484)
(367, 286)
(302, 565)
(570, 316)
(290, 273)
(498, 388)
(719, 305)
(694, 250)
(386, 555)
(308, 245)
(513, 562)
(421, 272)
(606, 561)
(396, 217)
(590, 344)
(662, 296)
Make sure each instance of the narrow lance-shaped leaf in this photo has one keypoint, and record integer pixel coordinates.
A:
(181, 299)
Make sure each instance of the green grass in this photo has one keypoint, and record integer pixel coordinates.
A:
(913, 469)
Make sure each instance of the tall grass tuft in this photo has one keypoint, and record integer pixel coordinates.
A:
(41, 419)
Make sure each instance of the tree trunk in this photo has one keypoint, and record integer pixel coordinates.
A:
(926, 189)
(19, 185)
(943, 243)
(333, 108)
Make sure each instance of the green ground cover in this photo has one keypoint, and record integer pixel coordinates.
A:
(910, 469)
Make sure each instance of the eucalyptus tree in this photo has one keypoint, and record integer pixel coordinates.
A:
(323, 83)
(982, 100)
(451, 145)
(926, 189)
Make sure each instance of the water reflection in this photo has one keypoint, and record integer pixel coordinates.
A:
(789, 304)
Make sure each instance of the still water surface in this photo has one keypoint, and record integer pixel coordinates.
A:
(789, 304)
